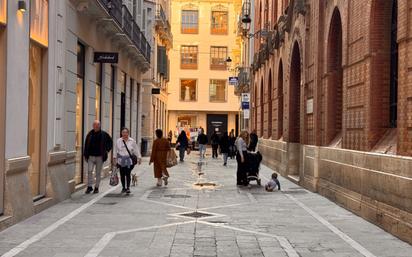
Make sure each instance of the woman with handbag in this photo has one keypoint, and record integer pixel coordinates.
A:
(127, 155)
(160, 148)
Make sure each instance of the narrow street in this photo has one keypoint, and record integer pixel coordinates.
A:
(183, 219)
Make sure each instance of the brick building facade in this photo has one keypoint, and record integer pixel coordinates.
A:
(332, 101)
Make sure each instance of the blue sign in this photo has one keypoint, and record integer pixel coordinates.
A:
(233, 81)
(245, 106)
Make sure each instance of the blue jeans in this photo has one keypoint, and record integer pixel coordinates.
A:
(202, 151)
(225, 155)
(182, 151)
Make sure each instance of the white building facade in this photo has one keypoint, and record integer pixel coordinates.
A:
(51, 91)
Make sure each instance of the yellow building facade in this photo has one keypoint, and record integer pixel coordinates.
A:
(204, 37)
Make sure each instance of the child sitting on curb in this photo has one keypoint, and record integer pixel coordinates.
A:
(273, 183)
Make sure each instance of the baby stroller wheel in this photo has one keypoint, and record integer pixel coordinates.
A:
(259, 182)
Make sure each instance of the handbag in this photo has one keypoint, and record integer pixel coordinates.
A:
(114, 178)
(132, 156)
(171, 159)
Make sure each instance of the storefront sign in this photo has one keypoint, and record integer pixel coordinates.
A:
(245, 106)
(155, 91)
(233, 81)
(246, 114)
(105, 57)
(245, 97)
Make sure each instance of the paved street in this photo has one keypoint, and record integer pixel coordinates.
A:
(231, 221)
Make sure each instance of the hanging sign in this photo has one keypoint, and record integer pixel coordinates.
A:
(233, 81)
(106, 57)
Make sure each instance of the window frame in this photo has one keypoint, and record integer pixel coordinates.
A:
(189, 66)
(219, 31)
(214, 66)
(184, 29)
(226, 89)
(180, 90)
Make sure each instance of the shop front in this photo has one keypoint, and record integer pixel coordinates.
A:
(3, 20)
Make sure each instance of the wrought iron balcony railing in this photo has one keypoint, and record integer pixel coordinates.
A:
(160, 14)
(121, 14)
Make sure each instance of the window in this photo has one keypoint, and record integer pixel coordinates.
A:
(190, 22)
(217, 90)
(39, 23)
(79, 112)
(3, 11)
(131, 105)
(188, 90)
(188, 57)
(99, 74)
(219, 22)
(218, 55)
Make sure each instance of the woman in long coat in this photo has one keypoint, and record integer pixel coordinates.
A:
(161, 147)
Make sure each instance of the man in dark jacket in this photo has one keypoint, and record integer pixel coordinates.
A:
(96, 148)
(202, 140)
(253, 141)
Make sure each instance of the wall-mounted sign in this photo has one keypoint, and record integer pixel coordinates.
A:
(105, 57)
(245, 97)
(246, 114)
(233, 81)
(245, 106)
(155, 91)
(309, 106)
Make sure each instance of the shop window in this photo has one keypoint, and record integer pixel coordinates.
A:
(190, 22)
(188, 57)
(79, 113)
(3, 11)
(99, 78)
(186, 121)
(219, 22)
(131, 104)
(122, 83)
(188, 90)
(218, 56)
(35, 103)
(39, 31)
(217, 90)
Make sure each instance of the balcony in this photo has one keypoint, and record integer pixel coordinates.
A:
(163, 26)
(116, 22)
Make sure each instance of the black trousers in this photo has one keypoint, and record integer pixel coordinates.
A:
(214, 150)
(125, 177)
(242, 169)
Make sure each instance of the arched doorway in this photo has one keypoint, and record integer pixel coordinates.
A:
(335, 79)
(280, 100)
(294, 96)
(262, 108)
(270, 109)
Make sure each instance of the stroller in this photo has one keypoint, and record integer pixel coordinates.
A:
(254, 160)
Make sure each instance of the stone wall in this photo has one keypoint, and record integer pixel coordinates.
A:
(376, 187)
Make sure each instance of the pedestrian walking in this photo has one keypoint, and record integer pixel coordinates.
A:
(96, 148)
(160, 148)
(232, 147)
(182, 144)
(253, 141)
(224, 147)
(215, 144)
(202, 140)
(241, 157)
(127, 155)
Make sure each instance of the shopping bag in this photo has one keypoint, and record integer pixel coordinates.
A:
(114, 178)
(171, 158)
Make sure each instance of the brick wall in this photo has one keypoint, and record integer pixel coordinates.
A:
(347, 86)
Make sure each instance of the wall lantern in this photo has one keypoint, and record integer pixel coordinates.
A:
(228, 60)
(21, 6)
(246, 19)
